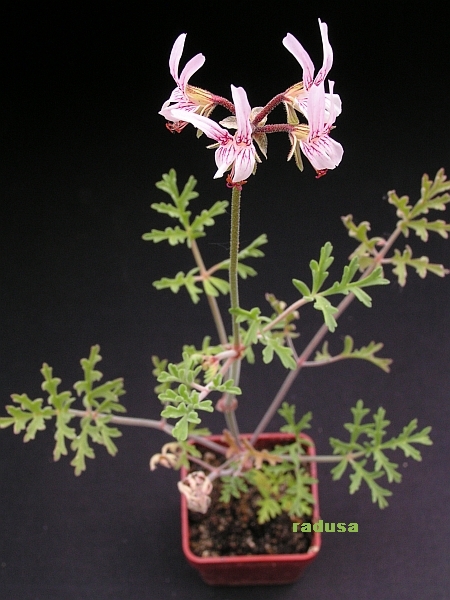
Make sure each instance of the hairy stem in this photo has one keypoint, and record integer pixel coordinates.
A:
(150, 423)
(234, 251)
(221, 101)
(294, 306)
(305, 459)
(276, 100)
(230, 416)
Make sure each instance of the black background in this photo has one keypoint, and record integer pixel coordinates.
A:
(82, 147)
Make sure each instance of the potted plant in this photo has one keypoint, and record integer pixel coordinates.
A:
(268, 482)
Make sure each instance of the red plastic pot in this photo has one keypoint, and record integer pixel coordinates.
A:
(260, 569)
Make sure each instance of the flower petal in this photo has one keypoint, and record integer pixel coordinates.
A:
(323, 152)
(175, 55)
(316, 109)
(208, 126)
(243, 112)
(295, 48)
(332, 112)
(327, 54)
(225, 157)
(191, 67)
(244, 163)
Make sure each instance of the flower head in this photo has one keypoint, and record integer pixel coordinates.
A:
(319, 148)
(235, 152)
(185, 97)
(168, 458)
(298, 94)
(196, 488)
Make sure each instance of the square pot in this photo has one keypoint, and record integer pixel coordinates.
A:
(259, 569)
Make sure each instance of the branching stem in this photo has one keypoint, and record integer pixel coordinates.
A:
(211, 299)
(315, 341)
(151, 423)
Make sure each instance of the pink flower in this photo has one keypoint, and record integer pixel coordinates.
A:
(298, 93)
(234, 151)
(185, 97)
(322, 151)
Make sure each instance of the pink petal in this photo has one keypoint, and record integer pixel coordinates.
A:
(244, 164)
(295, 48)
(175, 55)
(191, 67)
(332, 115)
(225, 156)
(316, 110)
(337, 104)
(208, 126)
(243, 112)
(323, 152)
(327, 54)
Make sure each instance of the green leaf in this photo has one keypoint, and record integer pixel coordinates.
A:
(405, 440)
(62, 403)
(375, 448)
(31, 416)
(359, 232)
(206, 217)
(180, 280)
(173, 235)
(379, 493)
(251, 251)
(302, 287)
(383, 464)
(423, 226)
(214, 285)
(168, 209)
(168, 184)
(80, 445)
(269, 508)
(366, 252)
(99, 402)
(328, 311)
(339, 469)
(347, 286)
(367, 353)
(401, 204)
(287, 411)
(434, 196)
(229, 387)
(319, 269)
(181, 430)
(232, 486)
(91, 375)
(421, 265)
(284, 353)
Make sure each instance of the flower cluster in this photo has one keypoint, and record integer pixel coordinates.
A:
(308, 98)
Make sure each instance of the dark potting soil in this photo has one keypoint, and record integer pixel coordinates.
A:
(232, 529)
